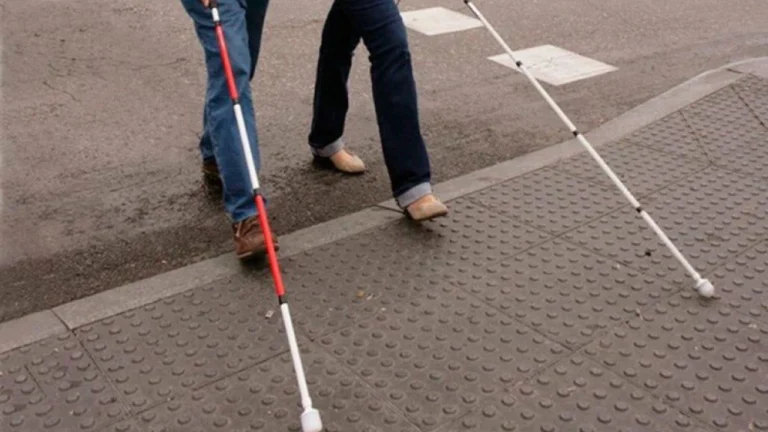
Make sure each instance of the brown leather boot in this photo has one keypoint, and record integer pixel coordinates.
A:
(249, 241)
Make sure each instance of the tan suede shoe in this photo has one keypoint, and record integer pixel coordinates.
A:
(426, 208)
(347, 163)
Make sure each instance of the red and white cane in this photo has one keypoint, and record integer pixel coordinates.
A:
(310, 418)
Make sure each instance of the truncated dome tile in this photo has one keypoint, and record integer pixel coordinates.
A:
(709, 362)
(566, 292)
(266, 398)
(723, 122)
(124, 426)
(472, 235)
(436, 358)
(550, 200)
(54, 386)
(754, 91)
(575, 395)
(174, 346)
(641, 169)
(335, 286)
(672, 134)
(710, 217)
(743, 282)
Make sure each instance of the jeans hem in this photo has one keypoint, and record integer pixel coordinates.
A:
(327, 150)
(413, 194)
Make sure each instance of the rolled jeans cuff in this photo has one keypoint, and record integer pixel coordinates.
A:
(328, 150)
(413, 194)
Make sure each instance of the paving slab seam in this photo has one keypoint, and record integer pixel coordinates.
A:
(662, 105)
(751, 109)
(362, 379)
(580, 346)
(617, 370)
(107, 378)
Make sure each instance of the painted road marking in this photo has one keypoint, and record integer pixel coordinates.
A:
(438, 20)
(555, 65)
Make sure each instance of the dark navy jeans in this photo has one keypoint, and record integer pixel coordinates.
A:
(379, 24)
(242, 21)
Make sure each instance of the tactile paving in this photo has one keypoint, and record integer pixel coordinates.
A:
(672, 134)
(54, 386)
(550, 200)
(565, 292)
(730, 131)
(171, 347)
(754, 92)
(709, 217)
(575, 394)
(124, 426)
(641, 169)
(437, 357)
(334, 286)
(266, 398)
(743, 282)
(708, 361)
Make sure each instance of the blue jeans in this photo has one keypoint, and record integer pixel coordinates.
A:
(379, 24)
(242, 21)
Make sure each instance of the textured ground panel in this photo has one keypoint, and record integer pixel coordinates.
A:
(266, 398)
(754, 92)
(710, 362)
(575, 394)
(642, 170)
(438, 357)
(711, 216)
(550, 200)
(730, 130)
(172, 347)
(743, 282)
(565, 292)
(672, 134)
(333, 286)
(54, 385)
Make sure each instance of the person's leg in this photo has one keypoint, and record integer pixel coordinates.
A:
(210, 169)
(331, 100)
(256, 12)
(220, 121)
(395, 98)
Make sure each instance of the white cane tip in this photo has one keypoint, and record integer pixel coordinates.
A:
(705, 288)
(310, 421)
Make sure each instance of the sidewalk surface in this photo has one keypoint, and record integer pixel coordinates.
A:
(543, 303)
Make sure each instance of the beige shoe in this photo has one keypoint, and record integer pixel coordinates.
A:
(426, 208)
(348, 163)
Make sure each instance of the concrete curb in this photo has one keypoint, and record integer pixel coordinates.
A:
(66, 317)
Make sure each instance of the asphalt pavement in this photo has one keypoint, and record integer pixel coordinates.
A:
(101, 111)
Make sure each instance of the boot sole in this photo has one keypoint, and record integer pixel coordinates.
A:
(252, 254)
(327, 164)
(409, 216)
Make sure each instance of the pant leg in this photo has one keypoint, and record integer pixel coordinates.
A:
(220, 120)
(331, 100)
(256, 12)
(395, 96)
(206, 144)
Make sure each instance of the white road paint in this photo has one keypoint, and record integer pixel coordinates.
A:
(554, 65)
(438, 20)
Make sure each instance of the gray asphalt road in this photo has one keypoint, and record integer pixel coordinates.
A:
(101, 109)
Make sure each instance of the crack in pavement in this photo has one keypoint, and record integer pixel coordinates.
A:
(45, 83)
